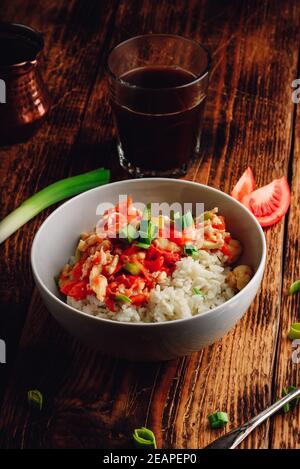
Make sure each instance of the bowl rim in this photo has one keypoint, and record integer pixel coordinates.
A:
(183, 182)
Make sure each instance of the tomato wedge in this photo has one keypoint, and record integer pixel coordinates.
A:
(269, 203)
(244, 186)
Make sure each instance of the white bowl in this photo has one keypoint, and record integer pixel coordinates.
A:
(55, 242)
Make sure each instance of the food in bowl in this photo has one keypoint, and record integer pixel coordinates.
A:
(136, 267)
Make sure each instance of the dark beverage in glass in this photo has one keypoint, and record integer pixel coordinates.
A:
(158, 87)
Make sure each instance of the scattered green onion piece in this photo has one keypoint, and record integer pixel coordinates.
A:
(197, 291)
(187, 220)
(189, 249)
(129, 233)
(144, 225)
(35, 398)
(124, 298)
(144, 438)
(132, 267)
(153, 231)
(50, 195)
(296, 400)
(295, 287)
(286, 407)
(143, 245)
(294, 332)
(148, 230)
(183, 221)
(293, 403)
(218, 419)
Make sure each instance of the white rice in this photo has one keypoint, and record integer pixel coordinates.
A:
(175, 297)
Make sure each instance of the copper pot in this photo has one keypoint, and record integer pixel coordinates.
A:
(24, 100)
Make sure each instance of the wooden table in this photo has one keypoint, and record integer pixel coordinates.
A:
(250, 119)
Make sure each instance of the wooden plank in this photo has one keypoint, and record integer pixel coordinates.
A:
(285, 428)
(74, 45)
(95, 401)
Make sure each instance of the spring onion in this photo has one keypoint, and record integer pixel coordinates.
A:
(295, 287)
(49, 196)
(148, 230)
(143, 245)
(124, 298)
(197, 291)
(129, 233)
(35, 398)
(296, 400)
(218, 419)
(187, 220)
(132, 267)
(286, 407)
(144, 438)
(190, 249)
(294, 332)
(184, 221)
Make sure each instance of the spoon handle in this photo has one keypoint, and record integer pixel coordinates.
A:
(232, 439)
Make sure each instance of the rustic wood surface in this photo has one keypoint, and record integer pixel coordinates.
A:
(94, 401)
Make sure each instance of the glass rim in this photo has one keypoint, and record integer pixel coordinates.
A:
(176, 36)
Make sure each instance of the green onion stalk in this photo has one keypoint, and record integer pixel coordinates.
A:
(50, 195)
(144, 438)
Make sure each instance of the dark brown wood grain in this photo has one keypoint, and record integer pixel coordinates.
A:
(285, 429)
(96, 401)
(73, 41)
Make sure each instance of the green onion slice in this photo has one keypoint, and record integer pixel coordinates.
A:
(35, 398)
(143, 245)
(144, 438)
(296, 400)
(295, 287)
(218, 419)
(148, 230)
(132, 267)
(187, 220)
(197, 291)
(129, 233)
(184, 221)
(286, 407)
(49, 196)
(190, 249)
(294, 332)
(124, 298)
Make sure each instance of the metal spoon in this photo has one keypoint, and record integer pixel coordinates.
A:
(232, 439)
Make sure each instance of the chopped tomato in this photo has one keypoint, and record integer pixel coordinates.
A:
(66, 285)
(138, 299)
(221, 224)
(147, 275)
(155, 265)
(244, 186)
(77, 271)
(181, 238)
(269, 203)
(78, 291)
(109, 303)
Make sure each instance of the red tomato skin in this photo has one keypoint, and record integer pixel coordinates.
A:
(155, 265)
(257, 196)
(78, 291)
(244, 186)
(138, 299)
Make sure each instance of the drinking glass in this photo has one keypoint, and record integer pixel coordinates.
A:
(157, 86)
